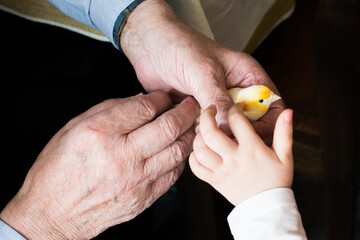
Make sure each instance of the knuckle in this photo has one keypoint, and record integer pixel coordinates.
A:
(170, 127)
(175, 174)
(147, 108)
(172, 176)
(180, 150)
(109, 103)
(72, 122)
(151, 169)
(84, 135)
(132, 149)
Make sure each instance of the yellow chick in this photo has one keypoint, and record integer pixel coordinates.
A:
(257, 100)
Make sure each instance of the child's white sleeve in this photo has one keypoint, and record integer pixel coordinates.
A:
(268, 215)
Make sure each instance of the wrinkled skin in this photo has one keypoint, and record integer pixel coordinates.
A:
(170, 56)
(100, 170)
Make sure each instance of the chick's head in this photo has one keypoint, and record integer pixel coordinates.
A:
(257, 100)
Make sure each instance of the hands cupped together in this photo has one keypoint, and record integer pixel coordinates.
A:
(170, 56)
(104, 167)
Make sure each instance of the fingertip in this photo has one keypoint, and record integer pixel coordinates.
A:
(208, 114)
(212, 109)
(283, 136)
(287, 119)
(288, 115)
(237, 108)
(197, 128)
(192, 101)
(240, 125)
(213, 136)
(159, 96)
(222, 106)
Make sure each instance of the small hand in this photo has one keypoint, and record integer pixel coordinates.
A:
(242, 168)
(104, 167)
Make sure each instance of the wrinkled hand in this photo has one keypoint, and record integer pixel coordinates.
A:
(170, 56)
(104, 167)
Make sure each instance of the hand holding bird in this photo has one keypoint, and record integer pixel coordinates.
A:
(256, 99)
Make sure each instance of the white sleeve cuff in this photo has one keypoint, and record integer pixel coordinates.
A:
(272, 214)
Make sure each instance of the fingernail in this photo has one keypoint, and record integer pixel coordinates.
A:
(197, 128)
(212, 107)
(240, 105)
(289, 116)
(198, 107)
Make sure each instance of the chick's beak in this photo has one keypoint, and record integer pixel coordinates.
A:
(274, 97)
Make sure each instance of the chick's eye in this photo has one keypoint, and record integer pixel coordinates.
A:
(261, 101)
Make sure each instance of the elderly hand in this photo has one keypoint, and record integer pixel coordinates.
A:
(170, 56)
(104, 167)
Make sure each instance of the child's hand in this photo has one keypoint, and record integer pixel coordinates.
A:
(239, 170)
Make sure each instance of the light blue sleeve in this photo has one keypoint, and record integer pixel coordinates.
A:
(98, 14)
(7, 233)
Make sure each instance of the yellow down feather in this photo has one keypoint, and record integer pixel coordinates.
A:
(257, 100)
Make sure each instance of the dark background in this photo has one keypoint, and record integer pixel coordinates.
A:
(50, 75)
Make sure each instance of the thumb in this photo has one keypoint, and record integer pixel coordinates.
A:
(216, 95)
(283, 136)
